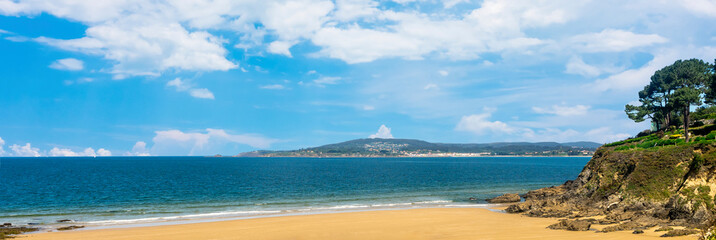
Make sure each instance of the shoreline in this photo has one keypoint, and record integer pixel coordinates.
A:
(190, 218)
(414, 223)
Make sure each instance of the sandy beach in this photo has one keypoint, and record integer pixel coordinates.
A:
(429, 223)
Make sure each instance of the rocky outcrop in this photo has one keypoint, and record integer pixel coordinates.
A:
(506, 198)
(634, 189)
(572, 225)
(8, 231)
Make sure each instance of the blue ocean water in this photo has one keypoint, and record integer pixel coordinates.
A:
(123, 190)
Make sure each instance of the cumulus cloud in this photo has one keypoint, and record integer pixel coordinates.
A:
(177, 142)
(480, 124)
(139, 149)
(184, 86)
(87, 152)
(383, 132)
(563, 110)
(69, 64)
(414, 36)
(613, 40)
(25, 150)
(148, 38)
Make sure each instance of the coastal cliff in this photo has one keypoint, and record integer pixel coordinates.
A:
(653, 180)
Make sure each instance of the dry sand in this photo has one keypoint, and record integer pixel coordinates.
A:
(432, 223)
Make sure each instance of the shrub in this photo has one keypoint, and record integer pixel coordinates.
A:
(711, 135)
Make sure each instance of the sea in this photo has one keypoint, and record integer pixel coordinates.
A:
(107, 192)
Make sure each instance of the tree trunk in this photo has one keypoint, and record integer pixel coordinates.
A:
(686, 122)
(668, 120)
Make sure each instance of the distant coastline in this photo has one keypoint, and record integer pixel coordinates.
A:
(377, 147)
(404, 156)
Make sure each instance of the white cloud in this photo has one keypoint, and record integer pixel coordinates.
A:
(139, 149)
(185, 86)
(347, 10)
(633, 79)
(368, 108)
(281, 47)
(563, 110)
(273, 87)
(201, 93)
(701, 7)
(577, 66)
(142, 48)
(179, 85)
(148, 38)
(430, 86)
(69, 64)
(2, 143)
(452, 3)
(295, 19)
(176, 142)
(322, 81)
(138, 37)
(25, 150)
(103, 152)
(443, 73)
(383, 132)
(480, 124)
(613, 40)
(87, 152)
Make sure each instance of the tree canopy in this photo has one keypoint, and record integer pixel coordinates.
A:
(673, 90)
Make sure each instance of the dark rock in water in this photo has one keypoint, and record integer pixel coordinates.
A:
(472, 199)
(7, 224)
(571, 225)
(33, 224)
(64, 220)
(506, 198)
(638, 231)
(73, 227)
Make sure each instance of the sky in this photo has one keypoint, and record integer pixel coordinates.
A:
(135, 77)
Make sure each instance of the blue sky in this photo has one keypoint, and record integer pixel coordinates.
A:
(178, 78)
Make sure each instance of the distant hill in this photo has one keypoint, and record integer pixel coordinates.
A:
(371, 147)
